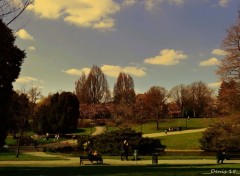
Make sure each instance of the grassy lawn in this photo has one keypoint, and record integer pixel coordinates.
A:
(148, 170)
(182, 141)
(192, 123)
(10, 156)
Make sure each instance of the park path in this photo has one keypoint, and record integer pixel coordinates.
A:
(151, 135)
(99, 130)
(74, 161)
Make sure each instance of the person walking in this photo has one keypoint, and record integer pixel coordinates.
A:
(124, 150)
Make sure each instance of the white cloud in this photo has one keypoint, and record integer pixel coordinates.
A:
(110, 70)
(23, 34)
(128, 3)
(210, 62)
(167, 57)
(25, 79)
(150, 4)
(113, 71)
(31, 48)
(215, 84)
(77, 72)
(219, 52)
(81, 13)
(223, 3)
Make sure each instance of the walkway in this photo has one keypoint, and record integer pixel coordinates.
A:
(99, 130)
(74, 161)
(151, 135)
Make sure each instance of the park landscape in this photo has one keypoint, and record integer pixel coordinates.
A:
(186, 127)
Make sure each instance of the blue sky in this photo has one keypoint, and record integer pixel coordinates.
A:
(158, 42)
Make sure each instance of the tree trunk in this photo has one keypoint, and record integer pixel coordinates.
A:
(157, 122)
(18, 147)
(19, 143)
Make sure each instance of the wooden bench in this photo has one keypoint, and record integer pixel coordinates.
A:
(222, 156)
(91, 158)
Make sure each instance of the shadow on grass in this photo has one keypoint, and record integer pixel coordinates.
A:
(105, 170)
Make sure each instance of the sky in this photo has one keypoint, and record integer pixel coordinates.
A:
(158, 42)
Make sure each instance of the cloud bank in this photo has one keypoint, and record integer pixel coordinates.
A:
(82, 13)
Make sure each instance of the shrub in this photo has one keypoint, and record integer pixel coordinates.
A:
(27, 140)
(109, 143)
(222, 135)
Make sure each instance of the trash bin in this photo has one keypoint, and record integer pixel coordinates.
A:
(135, 154)
(154, 158)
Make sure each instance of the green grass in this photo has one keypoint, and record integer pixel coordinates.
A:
(149, 170)
(188, 141)
(11, 156)
(192, 123)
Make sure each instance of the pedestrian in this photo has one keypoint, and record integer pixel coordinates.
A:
(165, 131)
(124, 150)
(47, 136)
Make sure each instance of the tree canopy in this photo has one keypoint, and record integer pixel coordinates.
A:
(230, 65)
(11, 59)
(93, 89)
(58, 114)
(124, 89)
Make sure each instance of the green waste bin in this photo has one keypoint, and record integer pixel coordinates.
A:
(154, 158)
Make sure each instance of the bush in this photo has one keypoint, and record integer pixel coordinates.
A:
(109, 143)
(27, 140)
(64, 149)
(222, 135)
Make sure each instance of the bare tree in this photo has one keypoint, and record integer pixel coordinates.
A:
(179, 95)
(156, 98)
(200, 98)
(80, 87)
(10, 10)
(97, 90)
(230, 65)
(124, 89)
(34, 94)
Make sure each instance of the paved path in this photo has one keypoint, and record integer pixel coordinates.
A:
(173, 133)
(99, 130)
(74, 161)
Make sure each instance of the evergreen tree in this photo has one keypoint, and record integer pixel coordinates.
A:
(11, 59)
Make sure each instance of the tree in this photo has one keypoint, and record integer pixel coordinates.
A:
(179, 95)
(11, 59)
(200, 98)
(19, 109)
(230, 65)
(34, 94)
(94, 89)
(222, 136)
(58, 115)
(228, 97)
(80, 88)
(156, 98)
(12, 9)
(124, 89)
(109, 143)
